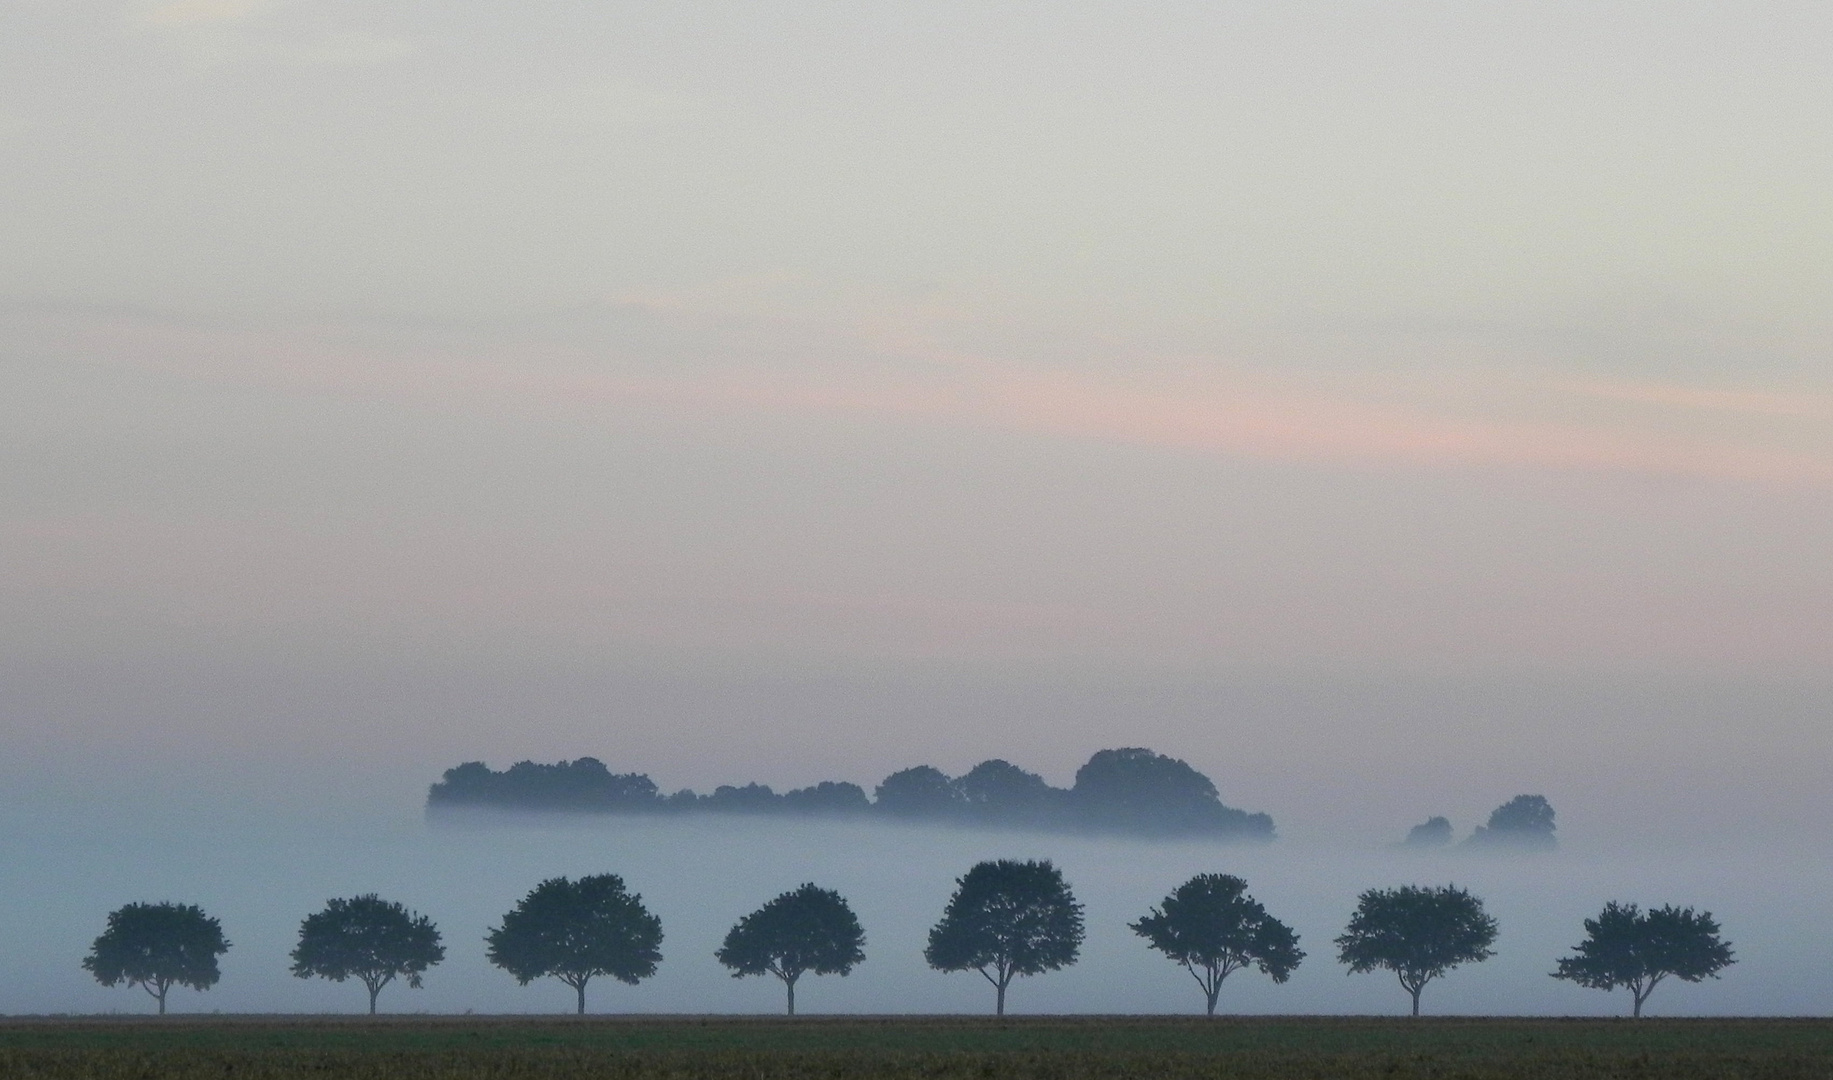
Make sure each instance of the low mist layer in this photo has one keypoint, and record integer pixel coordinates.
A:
(261, 873)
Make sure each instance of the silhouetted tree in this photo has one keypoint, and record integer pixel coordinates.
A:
(1417, 933)
(999, 792)
(1139, 791)
(585, 784)
(369, 938)
(1125, 790)
(809, 930)
(1212, 927)
(1626, 947)
(1524, 823)
(827, 797)
(1007, 919)
(1433, 832)
(750, 799)
(920, 792)
(157, 947)
(574, 930)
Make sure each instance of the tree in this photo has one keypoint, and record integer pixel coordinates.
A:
(1524, 823)
(372, 939)
(1433, 832)
(827, 797)
(750, 799)
(810, 929)
(585, 784)
(1626, 947)
(923, 791)
(1135, 790)
(999, 792)
(574, 930)
(1212, 927)
(1417, 933)
(1007, 919)
(157, 947)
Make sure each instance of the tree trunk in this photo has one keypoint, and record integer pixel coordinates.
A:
(791, 983)
(1636, 1010)
(161, 996)
(373, 991)
(1416, 1000)
(1210, 999)
(581, 987)
(999, 1001)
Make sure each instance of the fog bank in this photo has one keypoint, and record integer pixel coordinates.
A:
(261, 870)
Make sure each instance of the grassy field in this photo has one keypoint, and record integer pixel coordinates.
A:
(411, 1048)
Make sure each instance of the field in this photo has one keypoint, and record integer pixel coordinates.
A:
(410, 1048)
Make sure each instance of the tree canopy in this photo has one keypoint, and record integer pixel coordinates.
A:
(827, 798)
(1212, 927)
(1417, 933)
(367, 938)
(1524, 823)
(157, 947)
(585, 784)
(1139, 791)
(1625, 946)
(1127, 790)
(1431, 833)
(1007, 919)
(923, 791)
(575, 930)
(999, 792)
(808, 930)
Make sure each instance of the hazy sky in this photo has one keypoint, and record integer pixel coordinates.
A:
(1328, 393)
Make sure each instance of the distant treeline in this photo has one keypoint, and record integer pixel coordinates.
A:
(1524, 823)
(1130, 790)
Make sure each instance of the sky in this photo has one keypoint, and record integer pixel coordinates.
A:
(1386, 407)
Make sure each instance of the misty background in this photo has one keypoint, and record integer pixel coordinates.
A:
(1386, 408)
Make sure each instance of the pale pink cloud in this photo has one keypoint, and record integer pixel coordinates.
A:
(1200, 406)
(1754, 402)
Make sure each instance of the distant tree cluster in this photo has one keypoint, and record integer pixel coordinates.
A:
(1130, 790)
(1006, 920)
(1524, 823)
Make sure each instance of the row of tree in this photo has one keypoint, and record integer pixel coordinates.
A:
(1128, 790)
(1006, 920)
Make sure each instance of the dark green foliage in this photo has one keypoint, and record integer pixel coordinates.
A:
(157, 947)
(920, 792)
(575, 930)
(1524, 823)
(809, 930)
(1417, 933)
(1212, 927)
(368, 938)
(1433, 832)
(1626, 947)
(1007, 919)
(853, 1048)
